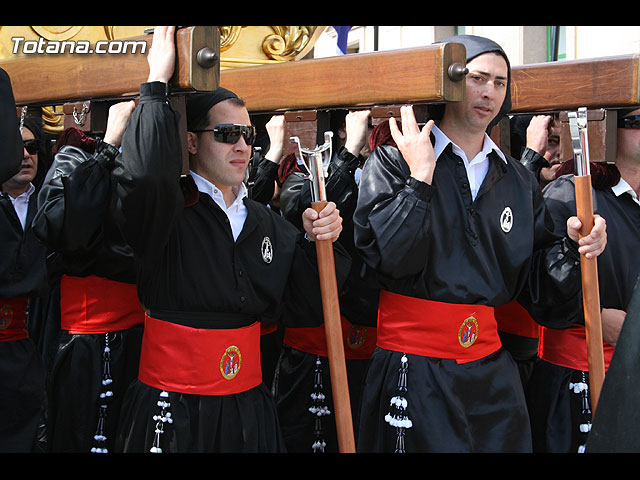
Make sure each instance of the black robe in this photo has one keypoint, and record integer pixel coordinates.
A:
(74, 220)
(434, 242)
(190, 270)
(22, 375)
(556, 411)
(10, 140)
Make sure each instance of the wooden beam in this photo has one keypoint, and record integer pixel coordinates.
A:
(409, 75)
(607, 82)
(50, 78)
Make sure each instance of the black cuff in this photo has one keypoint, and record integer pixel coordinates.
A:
(423, 189)
(533, 161)
(106, 154)
(150, 91)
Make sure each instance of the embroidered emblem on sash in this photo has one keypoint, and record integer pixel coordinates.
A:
(356, 337)
(468, 332)
(230, 362)
(6, 316)
(267, 250)
(506, 220)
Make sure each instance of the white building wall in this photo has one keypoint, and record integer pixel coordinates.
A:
(523, 44)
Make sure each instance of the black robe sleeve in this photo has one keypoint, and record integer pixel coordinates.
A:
(74, 215)
(263, 179)
(11, 148)
(149, 193)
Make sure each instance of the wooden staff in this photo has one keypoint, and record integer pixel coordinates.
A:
(330, 302)
(589, 266)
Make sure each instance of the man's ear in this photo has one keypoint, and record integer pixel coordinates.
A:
(192, 143)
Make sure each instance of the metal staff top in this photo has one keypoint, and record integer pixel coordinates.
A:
(316, 163)
(580, 141)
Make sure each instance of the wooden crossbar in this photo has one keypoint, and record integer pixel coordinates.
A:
(607, 82)
(56, 78)
(398, 76)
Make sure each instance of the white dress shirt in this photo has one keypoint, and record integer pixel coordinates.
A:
(21, 204)
(478, 167)
(236, 212)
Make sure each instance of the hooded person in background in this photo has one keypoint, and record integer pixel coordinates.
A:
(450, 227)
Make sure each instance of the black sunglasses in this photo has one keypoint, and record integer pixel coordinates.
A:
(629, 122)
(31, 146)
(231, 133)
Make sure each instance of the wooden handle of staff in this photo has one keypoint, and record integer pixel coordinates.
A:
(335, 345)
(590, 292)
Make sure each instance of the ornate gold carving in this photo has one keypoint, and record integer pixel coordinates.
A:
(228, 36)
(58, 33)
(287, 42)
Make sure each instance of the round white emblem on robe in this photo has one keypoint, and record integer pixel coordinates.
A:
(267, 250)
(506, 219)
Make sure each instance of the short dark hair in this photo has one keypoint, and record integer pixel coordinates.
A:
(203, 123)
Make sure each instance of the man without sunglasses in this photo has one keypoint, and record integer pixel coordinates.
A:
(561, 378)
(214, 267)
(450, 227)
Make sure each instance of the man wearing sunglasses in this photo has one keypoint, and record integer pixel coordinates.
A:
(214, 267)
(559, 383)
(22, 280)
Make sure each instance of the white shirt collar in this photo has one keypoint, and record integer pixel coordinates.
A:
(236, 212)
(442, 141)
(623, 187)
(21, 204)
(205, 186)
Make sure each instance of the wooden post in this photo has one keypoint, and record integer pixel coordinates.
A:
(335, 344)
(589, 267)
(590, 293)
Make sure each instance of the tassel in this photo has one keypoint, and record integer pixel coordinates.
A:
(163, 417)
(105, 396)
(397, 416)
(582, 388)
(319, 409)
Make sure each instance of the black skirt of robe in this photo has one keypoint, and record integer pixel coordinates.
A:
(78, 368)
(22, 397)
(453, 407)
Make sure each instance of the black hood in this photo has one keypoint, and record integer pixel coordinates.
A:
(475, 46)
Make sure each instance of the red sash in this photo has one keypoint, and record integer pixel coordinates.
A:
(436, 329)
(13, 319)
(568, 348)
(98, 305)
(200, 361)
(513, 318)
(359, 341)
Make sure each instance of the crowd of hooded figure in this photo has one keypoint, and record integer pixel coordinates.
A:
(149, 308)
